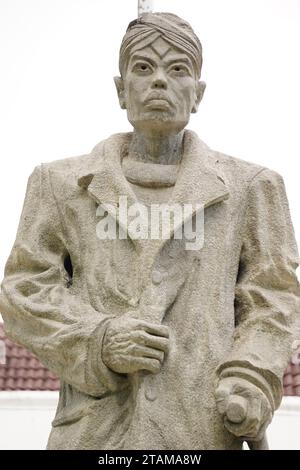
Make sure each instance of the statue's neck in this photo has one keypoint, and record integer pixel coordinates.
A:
(163, 149)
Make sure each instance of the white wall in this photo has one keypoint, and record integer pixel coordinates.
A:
(284, 431)
(25, 421)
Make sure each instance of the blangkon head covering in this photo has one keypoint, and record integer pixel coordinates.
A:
(147, 28)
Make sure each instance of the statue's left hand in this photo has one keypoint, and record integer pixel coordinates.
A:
(245, 409)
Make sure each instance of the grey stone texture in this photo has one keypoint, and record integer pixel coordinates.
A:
(156, 346)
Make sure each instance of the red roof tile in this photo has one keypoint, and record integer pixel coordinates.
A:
(291, 378)
(21, 370)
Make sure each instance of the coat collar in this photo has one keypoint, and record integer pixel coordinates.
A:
(198, 181)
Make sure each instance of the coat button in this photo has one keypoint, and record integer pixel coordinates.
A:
(157, 277)
(134, 301)
(150, 394)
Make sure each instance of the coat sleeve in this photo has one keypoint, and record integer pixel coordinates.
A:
(40, 310)
(267, 289)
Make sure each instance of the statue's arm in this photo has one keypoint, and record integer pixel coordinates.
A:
(39, 309)
(267, 298)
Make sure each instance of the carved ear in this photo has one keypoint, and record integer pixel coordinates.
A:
(200, 89)
(120, 90)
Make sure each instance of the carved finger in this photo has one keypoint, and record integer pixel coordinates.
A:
(154, 329)
(152, 365)
(143, 351)
(222, 394)
(151, 341)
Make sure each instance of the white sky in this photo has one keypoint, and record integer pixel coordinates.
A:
(58, 57)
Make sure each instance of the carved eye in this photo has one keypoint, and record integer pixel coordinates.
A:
(179, 69)
(142, 67)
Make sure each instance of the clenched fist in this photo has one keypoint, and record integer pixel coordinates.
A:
(245, 409)
(130, 345)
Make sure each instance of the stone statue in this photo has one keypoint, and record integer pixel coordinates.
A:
(158, 344)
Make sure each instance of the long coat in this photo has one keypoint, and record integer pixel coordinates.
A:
(230, 306)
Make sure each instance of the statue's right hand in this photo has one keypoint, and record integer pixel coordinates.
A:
(130, 345)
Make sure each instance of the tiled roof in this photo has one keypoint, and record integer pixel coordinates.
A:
(21, 370)
(291, 378)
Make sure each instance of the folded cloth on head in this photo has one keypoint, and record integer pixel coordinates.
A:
(147, 28)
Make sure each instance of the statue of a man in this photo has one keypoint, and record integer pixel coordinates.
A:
(157, 346)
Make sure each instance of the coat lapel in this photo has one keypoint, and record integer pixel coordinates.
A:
(198, 182)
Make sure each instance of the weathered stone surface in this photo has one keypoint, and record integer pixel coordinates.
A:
(157, 346)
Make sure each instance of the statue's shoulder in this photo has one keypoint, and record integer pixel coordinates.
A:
(238, 171)
(76, 163)
(234, 170)
(82, 164)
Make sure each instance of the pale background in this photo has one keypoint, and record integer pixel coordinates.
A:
(57, 99)
(57, 96)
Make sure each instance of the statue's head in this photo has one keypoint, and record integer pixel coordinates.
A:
(160, 66)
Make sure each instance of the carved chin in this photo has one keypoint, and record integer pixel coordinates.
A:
(156, 115)
(159, 120)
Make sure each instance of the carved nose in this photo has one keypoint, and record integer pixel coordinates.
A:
(161, 84)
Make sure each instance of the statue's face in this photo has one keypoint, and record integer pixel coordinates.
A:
(160, 88)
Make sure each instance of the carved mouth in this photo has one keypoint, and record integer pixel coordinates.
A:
(158, 103)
